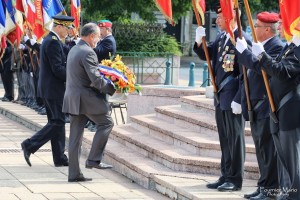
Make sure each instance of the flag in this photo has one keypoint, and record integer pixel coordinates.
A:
(165, 6)
(75, 12)
(50, 9)
(228, 15)
(2, 28)
(290, 14)
(34, 17)
(200, 7)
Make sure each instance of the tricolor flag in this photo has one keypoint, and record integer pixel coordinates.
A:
(290, 14)
(2, 28)
(50, 9)
(200, 7)
(108, 71)
(75, 12)
(228, 15)
(14, 22)
(165, 6)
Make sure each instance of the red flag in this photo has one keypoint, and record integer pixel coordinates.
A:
(165, 6)
(200, 7)
(290, 14)
(228, 15)
(75, 12)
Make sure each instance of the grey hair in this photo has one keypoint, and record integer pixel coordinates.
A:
(274, 27)
(89, 29)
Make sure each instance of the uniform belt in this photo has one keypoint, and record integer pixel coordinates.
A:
(288, 97)
(225, 81)
(259, 103)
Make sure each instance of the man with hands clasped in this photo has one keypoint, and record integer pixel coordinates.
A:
(284, 71)
(230, 122)
(266, 32)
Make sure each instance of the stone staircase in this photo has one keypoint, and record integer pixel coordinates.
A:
(174, 151)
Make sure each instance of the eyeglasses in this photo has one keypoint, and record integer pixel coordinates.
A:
(257, 26)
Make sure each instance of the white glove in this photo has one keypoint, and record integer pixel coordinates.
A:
(32, 41)
(236, 108)
(200, 32)
(77, 40)
(25, 38)
(241, 45)
(22, 46)
(257, 48)
(296, 40)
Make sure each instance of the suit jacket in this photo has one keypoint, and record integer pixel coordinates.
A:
(285, 77)
(106, 48)
(86, 88)
(257, 88)
(52, 75)
(218, 52)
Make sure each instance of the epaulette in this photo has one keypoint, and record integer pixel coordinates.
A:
(54, 38)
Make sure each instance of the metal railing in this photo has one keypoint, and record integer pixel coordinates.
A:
(149, 67)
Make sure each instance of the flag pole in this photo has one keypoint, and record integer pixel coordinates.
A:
(264, 74)
(246, 82)
(210, 70)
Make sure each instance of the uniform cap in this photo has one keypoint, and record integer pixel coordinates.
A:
(105, 23)
(268, 17)
(63, 20)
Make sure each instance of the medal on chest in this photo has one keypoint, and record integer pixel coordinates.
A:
(228, 62)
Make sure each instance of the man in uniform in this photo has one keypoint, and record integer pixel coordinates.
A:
(285, 87)
(229, 120)
(51, 87)
(266, 31)
(107, 47)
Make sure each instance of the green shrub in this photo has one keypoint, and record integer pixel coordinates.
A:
(144, 37)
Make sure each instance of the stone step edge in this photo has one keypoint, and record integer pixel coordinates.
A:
(201, 162)
(141, 120)
(169, 111)
(189, 100)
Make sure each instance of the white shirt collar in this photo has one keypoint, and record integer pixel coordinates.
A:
(265, 41)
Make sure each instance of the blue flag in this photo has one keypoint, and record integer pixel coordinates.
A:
(50, 9)
(2, 18)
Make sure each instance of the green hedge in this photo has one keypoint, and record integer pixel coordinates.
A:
(144, 37)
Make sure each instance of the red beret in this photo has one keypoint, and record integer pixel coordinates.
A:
(267, 17)
(105, 23)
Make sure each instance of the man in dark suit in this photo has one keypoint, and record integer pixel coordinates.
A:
(285, 87)
(51, 87)
(7, 75)
(85, 99)
(266, 31)
(107, 47)
(229, 120)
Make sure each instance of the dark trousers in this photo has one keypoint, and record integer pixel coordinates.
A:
(265, 153)
(53, 131)
(7, 77)
(232, 141)
(287, 144)
(104, 125)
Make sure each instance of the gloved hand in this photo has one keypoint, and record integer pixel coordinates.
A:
(236, 108)
(296, 40)
(257, 48)
(200, 32)
(32, 41)
(25, 38)
(22, 46)
(77, 40)
(241, 45)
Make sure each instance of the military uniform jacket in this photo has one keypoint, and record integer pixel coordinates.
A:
(52, 75)
(258, 95)
(225, 66)
(285, 77)
(86, 89)
(106, 48)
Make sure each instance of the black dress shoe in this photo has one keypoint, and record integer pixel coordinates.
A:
(253, 194)
(227, 186)
(99, 166)
(262, 196)
(214, 185)
(26, 153)
(5, 99)
(65, 164)
(80, 178)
